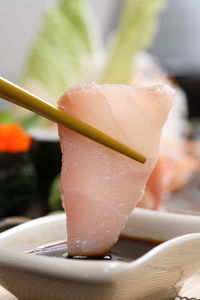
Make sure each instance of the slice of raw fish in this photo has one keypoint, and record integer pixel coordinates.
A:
(99, 186)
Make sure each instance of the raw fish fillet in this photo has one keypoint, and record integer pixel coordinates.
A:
(99, 186)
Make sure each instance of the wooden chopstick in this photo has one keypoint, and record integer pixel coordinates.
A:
(21, 97)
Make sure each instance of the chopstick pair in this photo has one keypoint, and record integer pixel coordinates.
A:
(21, 97)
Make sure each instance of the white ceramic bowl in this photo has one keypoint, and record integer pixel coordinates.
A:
(159, 274)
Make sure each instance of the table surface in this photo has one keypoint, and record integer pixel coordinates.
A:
(190, 290)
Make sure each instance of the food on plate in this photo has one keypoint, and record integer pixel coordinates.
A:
(99, 186)
(18, 186)
(13, 139)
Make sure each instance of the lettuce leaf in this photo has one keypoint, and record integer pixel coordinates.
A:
(136, 30)
(63, 51)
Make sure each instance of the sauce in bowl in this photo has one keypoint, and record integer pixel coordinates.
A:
(126, 249)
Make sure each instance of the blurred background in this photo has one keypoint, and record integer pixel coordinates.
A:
(171, 55)
(176, 42)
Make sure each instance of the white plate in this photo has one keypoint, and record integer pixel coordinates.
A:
(159, 274)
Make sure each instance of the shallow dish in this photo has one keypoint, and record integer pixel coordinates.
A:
(159, 274)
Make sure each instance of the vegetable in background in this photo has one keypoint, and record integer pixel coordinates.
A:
(54, 201)
(135, 32)
(6, 117)
(64, 50)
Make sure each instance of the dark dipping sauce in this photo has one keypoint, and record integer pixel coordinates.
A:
(126, 249)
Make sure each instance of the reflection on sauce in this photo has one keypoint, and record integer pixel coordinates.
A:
(126, 249)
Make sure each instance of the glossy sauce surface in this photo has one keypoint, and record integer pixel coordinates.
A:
(126, 249)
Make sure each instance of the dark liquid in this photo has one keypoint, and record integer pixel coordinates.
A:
(126, 249)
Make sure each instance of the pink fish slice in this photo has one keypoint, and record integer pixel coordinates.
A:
(99, 186)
